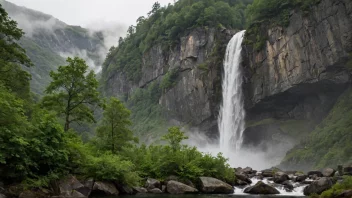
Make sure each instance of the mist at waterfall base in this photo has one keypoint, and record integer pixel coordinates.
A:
(231, 121)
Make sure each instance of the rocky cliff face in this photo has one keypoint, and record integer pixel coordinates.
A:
(194, 98)
(292, 83)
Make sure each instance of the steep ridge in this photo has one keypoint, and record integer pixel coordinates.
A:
(49, 41)
(293, 82)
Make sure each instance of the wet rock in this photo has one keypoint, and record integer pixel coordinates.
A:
(345, 194)
(155, 191)
(70, 185)
(175, 187)
(288, 186)
(280, 177)
(319, 186)
(328, 172)
(241, 183)
(347, 170)
(124, 189)
(300, 177)
(163, 188)
(261, 189)
(140, 190)
(2, 196)
(104, 188)
(314, 177)
(247, 170)
(243, 177)
(152, 183)
(268, 173)
(214, 186)
(317, 173)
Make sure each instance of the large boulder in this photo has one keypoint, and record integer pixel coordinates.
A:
(104, 188)
(280, 177)
(317, 173)
(214, 186)
(124, 189)
(140, 190)
(155, 191)
(175, 187)
(300, 177)
(328, 172)
(243, 177)
(248, 170)
(152, 183)
(267, 173)
(2, 196)
(261, 189)
(347, 170)
(71, 187)
(318, 186)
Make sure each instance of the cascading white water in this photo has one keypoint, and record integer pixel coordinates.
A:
(231, 117)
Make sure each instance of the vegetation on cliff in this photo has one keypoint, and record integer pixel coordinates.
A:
(261, 15)
(330, 143)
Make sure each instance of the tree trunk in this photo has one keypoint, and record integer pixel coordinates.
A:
(67, 122)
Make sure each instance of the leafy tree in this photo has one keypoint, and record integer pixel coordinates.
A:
(114, 130)
(12, 56)
(13, 125)
(175, 137)
(73, 93)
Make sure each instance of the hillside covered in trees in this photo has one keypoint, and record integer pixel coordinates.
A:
(165, 72)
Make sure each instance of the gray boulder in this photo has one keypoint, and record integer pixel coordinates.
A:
(267, 173)
(214, 186)
(71, 187)
(124, 189)
(243, 177)
(2, 196)
(317, 173)
(301, 177)
(152, 183)
(175, 187)
(139, 190)
(280, 177)
(319, 186)
(347, 170)
(261, 189)
(104, 188)
(155, 191)
(328, 172)
(288, 186)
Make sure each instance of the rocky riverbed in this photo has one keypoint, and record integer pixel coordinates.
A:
(248, 182)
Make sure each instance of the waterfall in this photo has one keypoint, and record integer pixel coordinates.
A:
(231, 116)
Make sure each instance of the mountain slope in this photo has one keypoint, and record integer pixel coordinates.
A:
(49, 41)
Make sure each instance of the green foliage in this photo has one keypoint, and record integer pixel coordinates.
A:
(12, 56)
(329, 144)
(44, 60)
(161, 161)
(338, 188)
(175, 137)
(73, 93)
(169, 80)
(110, 167)
(147, 115)
(262, 14)
(165, 26)
(114, 132)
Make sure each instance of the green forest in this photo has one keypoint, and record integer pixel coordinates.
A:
(41, 137)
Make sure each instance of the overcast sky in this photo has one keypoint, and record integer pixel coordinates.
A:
(91, 12)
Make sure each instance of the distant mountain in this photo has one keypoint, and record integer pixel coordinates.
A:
(49, 41)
